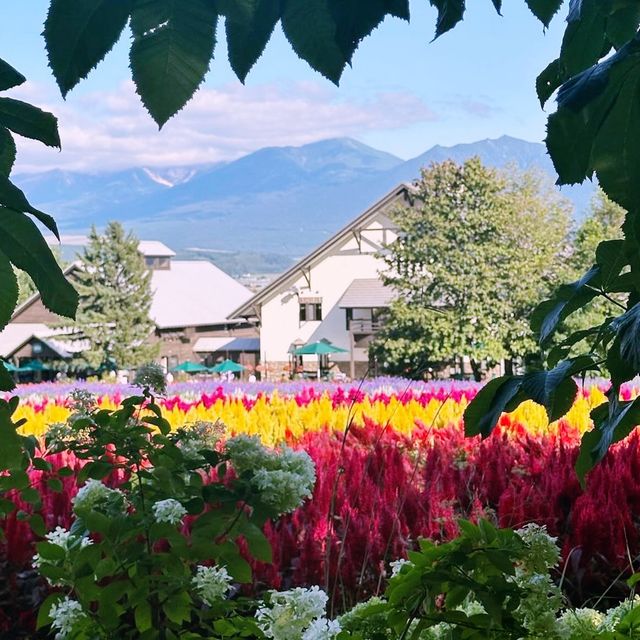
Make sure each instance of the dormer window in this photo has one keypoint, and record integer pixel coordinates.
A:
(157, 256)
(157, 262)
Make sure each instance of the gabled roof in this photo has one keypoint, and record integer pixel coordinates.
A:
(155, 249)
(14, 336)
(292, 274)
(192, 293)
(367, 293)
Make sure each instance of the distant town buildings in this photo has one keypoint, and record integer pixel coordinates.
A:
(333, 295)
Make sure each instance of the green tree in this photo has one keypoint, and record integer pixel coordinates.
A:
(115, 299)
(473, 252)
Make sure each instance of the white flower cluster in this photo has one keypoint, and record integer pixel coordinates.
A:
(542, 551)
(200, 435)
(396, 566)
(283, 477)
(297, 614)
(211, 583)
(579, 624)
(65, 539)
(94, 494)
(168, 510)
(65, 615)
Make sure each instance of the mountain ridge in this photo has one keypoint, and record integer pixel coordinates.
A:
(275, 201)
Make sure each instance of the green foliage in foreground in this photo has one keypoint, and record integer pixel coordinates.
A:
(475, 251)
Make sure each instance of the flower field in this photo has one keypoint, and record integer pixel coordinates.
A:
(392, 465)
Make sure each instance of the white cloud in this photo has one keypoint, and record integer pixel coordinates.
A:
(112, 130)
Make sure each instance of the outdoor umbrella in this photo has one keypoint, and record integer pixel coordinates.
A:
(34, 365)
(9, 366)
(228, 366)
(190, 367)
(321, 348)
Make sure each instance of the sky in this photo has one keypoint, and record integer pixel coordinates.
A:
(404, 93)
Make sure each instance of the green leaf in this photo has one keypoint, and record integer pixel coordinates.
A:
(43, 613)
(7, 151)
(10, 442)
(9, 77)
(568, 298)
(317, 46)
(258, 544)
(51, 552)
(248, 34)
(548, 81)
(142, 615)
(484, 411)
(355, 20)
(7, 382)
(450, 12)
(79, 35)
(555, 390)
(623, 24)
(29, 121)
(170, 55)
(627, 328)
(544, 10)
(8, 290)
(55, 484)
(13, 198)
(611, 259)
(584, 39)
(24, 245)
(178, 607)
(562, 349)
(36, 522)
(613, 421)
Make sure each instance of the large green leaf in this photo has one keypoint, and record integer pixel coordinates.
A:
(613, 421)
(627, 328)
(548, 81)
(79, 34)
(7, 151)
(10, 442)
(8, 290)
(24, 245)
(13, 198)
(450, 12)
(544, 10)
(568, 298)
(555, 390)
(29, 121)
(483, 413)
(248, 33)
(317, 45)
(611, 259)
(355, 20)
(9, 77)
(172, 47)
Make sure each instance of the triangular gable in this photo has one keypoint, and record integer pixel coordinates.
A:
(350, 231)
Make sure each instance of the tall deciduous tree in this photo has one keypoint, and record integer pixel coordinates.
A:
(475, 250)
(115, 299)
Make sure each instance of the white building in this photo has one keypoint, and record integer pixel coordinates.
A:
(334, 294)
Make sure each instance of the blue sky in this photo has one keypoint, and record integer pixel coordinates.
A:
(404, 93)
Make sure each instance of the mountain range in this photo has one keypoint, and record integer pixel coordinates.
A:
(265, 209)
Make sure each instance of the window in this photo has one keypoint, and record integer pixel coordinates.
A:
(363, 318)
(310, 311)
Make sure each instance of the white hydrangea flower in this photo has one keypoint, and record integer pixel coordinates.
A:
(211, 583)
(168, 510)
(543, 552)
(291, 612)
(579, 624)
(322, 629)
(614, 615)
(65, 615)
(246, 452)
(65, 539)
(396, 566)
(283, 477)
(94, 493)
